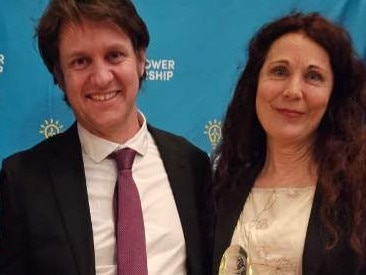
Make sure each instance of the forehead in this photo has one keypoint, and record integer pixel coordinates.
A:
(72, 31)
(297, 45)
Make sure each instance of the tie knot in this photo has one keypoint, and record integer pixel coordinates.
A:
(124, 158)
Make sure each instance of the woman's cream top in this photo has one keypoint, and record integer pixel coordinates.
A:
(272, 229)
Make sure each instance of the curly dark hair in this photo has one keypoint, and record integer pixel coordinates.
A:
(339, 149)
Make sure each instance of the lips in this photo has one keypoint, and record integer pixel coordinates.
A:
(100, 97)
(289, 112)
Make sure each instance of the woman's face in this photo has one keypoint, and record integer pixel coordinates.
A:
(294, 87)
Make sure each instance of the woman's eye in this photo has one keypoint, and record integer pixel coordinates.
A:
(314, 76)
(279, 71)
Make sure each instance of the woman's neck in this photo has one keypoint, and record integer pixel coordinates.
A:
(287, 166)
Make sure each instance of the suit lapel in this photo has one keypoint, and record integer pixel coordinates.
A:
(183, 189)
(228, 210)
(68, 180)
(314, 241)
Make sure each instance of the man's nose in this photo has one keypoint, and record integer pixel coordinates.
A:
(101, 74)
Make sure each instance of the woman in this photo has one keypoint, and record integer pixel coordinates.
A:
(290, 178)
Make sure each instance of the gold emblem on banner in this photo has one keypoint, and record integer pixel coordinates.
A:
(213, 132)
(50, 128)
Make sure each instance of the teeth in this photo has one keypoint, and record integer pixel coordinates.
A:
(103, 97)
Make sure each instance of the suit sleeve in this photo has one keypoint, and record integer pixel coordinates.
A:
(206, 204)
(13, 252)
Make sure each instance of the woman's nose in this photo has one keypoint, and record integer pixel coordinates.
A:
(294, 88)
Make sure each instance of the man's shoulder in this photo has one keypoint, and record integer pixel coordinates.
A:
(163, 137)
(44, 147)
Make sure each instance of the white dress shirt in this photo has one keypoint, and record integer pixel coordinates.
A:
(165, 245)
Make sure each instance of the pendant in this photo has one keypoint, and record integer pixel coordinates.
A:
(234, 261)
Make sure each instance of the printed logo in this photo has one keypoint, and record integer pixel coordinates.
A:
(50, 128)
(213, 132)
(160, 69)
(2, 62)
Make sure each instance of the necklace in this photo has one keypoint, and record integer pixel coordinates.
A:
(256, 222)
(272, 229)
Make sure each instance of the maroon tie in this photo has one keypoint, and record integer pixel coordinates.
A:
(130, 232)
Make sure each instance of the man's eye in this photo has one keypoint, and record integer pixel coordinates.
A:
(79, 63)
(115, 56)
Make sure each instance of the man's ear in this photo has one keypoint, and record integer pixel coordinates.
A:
(141, 61)
(58, 78)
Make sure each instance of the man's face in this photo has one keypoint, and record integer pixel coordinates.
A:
(100, 75)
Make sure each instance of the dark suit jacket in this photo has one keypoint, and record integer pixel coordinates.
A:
(316, 260)
(45, 219)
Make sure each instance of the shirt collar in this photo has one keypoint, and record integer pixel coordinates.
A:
(98, 148)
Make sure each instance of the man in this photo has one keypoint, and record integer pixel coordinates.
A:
(58, 200)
